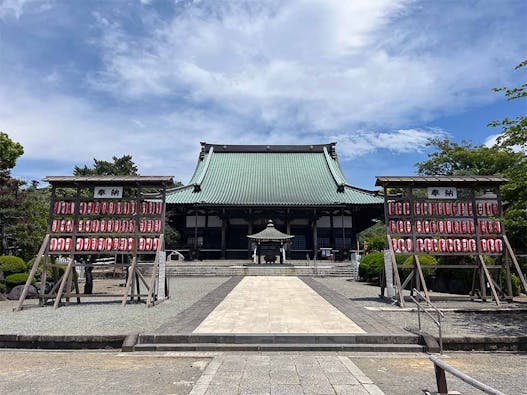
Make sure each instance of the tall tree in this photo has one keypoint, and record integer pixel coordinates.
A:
(514, 131)
(10, 151)
(451, 158)
(508, 158)
(11, 195)
(121, 166)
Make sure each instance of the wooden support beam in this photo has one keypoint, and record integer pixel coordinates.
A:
(396, 273)
(421, 277)
(482, 285)
(508, 280)
(489, 279)
(515, 262)
(32, 273)
(473, 288)
(155, 269)
(408, 279)
(43, 278)
(142, 278)
(65, 278)
(131, 275)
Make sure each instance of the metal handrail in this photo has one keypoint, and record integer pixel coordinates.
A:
(438, 321)
(441, 367)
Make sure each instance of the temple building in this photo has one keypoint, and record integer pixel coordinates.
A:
(237, 189)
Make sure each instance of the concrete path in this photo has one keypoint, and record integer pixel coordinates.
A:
(274, 304)
(283, 374)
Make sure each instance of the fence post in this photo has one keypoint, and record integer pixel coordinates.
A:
(441, 380)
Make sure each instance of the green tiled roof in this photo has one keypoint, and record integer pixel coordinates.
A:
(274, 176)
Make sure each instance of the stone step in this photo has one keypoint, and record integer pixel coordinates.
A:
(257, 271)
(279, 347)
(281, 338)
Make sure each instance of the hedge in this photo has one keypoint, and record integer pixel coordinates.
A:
(424, 260)
(12, 264)
(16, 279)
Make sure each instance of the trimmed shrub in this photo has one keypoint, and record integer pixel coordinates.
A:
(2, 288)
(515, 282)
(16, 279)
(38, 274)
(12, 264)
(424, 260)
(371, 266)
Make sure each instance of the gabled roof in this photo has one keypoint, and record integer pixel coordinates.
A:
(269, 175)
(399, 181)
(270, 233)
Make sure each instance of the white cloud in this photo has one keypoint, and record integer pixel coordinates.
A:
(368, 74)
(311, 65)
(353, 145)
(492, 140)
(16, 8)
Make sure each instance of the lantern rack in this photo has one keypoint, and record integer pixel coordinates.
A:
(103, 215)
(448, 216)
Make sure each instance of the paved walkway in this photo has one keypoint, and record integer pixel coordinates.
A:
(283, 374)
(274, 304)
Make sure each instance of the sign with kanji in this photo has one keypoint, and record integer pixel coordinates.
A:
(442, 193)
(108, 192)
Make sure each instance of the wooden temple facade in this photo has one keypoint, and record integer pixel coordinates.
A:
(237, 189)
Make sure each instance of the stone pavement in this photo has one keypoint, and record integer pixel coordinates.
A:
(275, 304)
(369, 320)
(283, 374)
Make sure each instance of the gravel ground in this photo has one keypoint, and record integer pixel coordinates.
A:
(81, 372)
(403, 374)
(104, 318)
(456, 324)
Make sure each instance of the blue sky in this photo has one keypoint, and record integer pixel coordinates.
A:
(84, 79)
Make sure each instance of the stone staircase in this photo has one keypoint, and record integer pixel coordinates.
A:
(196, 269)
(278, 342)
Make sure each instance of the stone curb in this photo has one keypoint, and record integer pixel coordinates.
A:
(67, 342)
(485, 343)
(280, 338)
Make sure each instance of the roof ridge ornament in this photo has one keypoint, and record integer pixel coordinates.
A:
(197, 184)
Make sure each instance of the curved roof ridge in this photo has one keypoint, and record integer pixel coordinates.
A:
(338, 177)
(197, 183)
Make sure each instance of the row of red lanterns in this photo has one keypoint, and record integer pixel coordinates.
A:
(103, 244)
(105, 226)
(108, 208)
(460, 209)
(444, 227)
(447, 245)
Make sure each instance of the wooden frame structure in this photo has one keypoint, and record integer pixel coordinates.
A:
(131, 224)
(408, 209)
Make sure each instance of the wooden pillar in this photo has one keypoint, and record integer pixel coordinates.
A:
(315, 235)
(195, 230)
(205, 227)
(250, 221)
(332, 232)
(223, 234)
(343, 231)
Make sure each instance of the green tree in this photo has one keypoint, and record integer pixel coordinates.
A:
(451, 158)
(374, 236)
(514, 131)
(30, 228)
(10, 151)
(123, 166)
(11, 194)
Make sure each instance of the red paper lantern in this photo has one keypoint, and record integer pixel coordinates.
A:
(53, 244)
